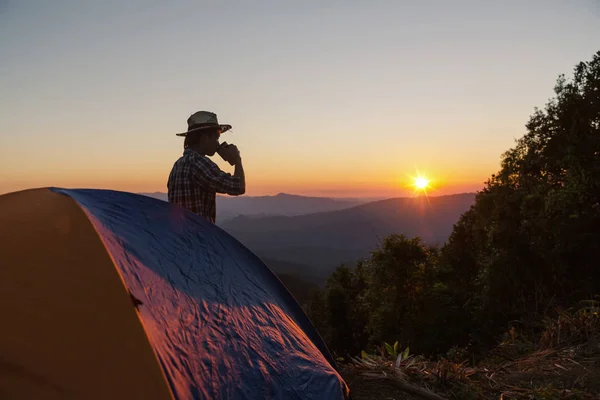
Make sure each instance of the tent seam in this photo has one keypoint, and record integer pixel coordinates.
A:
(125, 286)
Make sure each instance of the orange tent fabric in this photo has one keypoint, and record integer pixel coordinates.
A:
(69, 329)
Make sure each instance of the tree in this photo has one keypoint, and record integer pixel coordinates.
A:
(339, 311)
(399, 284)
(531, 239)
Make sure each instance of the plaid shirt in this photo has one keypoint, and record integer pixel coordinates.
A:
(194, 182)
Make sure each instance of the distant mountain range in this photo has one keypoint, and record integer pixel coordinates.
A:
(312, 245)
(303, 239)
(281, 204)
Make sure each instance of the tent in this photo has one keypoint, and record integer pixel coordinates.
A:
(107, 295)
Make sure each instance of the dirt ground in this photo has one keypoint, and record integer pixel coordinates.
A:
(567, 373)
(366, 389)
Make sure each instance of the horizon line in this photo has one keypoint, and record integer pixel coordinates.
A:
(381, 197)
(373, 197)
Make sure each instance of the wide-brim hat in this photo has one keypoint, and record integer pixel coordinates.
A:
(203, 120)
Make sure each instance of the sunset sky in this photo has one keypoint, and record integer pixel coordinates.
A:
(344, 99)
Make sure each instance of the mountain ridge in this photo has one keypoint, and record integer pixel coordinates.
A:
(324, 240)
(359, 206)
(281, 204)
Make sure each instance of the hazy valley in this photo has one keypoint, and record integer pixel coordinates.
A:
(308, 237)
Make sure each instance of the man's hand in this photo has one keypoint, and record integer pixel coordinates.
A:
(230, 153)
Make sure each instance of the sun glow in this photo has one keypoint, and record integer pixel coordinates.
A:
(421, 183)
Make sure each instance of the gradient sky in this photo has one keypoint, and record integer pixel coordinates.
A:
(343, 99)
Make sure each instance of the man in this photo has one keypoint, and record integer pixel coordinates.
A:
(195, 180)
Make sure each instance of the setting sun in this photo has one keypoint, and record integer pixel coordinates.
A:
(421, 183)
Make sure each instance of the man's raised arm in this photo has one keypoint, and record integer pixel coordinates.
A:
(212, 177)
